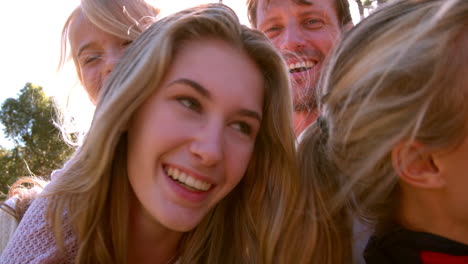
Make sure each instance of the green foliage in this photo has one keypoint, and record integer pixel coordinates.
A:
(39, 148)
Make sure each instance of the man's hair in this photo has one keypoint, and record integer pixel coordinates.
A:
(341, 8)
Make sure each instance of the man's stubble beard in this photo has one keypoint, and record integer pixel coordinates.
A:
(305, 102)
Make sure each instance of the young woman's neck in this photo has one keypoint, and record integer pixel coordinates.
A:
(149, 241)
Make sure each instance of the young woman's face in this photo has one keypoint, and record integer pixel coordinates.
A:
(95, 53)
(189, 144)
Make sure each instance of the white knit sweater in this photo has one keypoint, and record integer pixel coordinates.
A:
(34, 241)
(8, 223)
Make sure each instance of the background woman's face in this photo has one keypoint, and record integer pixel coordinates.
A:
(189, 144)
(95, 53)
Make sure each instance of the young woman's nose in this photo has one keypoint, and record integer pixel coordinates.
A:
(207, 145)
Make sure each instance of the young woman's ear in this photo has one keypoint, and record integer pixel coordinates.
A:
(415, 165)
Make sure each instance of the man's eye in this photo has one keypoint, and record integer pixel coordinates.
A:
(190, 103)
(314, 23)
(272, 29)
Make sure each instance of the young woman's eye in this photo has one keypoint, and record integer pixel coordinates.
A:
(243, 127)
(190, 103)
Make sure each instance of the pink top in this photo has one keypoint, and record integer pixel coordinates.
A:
(34, 241)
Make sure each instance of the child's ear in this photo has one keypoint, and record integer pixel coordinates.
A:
(415, 165)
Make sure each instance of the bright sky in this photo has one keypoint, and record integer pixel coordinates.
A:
(30, 29)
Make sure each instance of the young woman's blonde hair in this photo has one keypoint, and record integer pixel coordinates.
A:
(398, 76)
(258, 222)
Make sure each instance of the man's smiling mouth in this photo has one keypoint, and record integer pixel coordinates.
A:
(301, 66)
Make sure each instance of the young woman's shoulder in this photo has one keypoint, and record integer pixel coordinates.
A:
(34, 241)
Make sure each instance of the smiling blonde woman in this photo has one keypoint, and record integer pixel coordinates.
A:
(190, 157)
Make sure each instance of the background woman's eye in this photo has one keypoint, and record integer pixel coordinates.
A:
(190, 103)
(243, 127)
(90, 59)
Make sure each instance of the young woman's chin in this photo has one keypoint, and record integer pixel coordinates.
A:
(181, 220)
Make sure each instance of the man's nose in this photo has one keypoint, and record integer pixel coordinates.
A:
(292, 38)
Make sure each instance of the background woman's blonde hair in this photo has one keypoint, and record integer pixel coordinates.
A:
(125, 19)
(399, 75)
(258, 222)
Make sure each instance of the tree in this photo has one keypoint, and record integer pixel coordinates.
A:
(38, 146)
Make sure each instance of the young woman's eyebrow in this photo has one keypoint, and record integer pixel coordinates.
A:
(191, 83)
(251, 114)
(205, 93)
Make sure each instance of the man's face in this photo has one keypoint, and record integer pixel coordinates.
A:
(304, 31)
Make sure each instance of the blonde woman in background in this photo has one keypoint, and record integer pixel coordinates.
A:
(179, 164)
(392, 141)
(96, 35)
(98, 32)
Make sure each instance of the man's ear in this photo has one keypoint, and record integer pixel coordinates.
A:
(414, 164)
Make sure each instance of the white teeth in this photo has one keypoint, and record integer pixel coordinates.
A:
(310, 64)
(199, 185)
(302, 64)
(175, 176)
(182, 176)
(188, 180)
